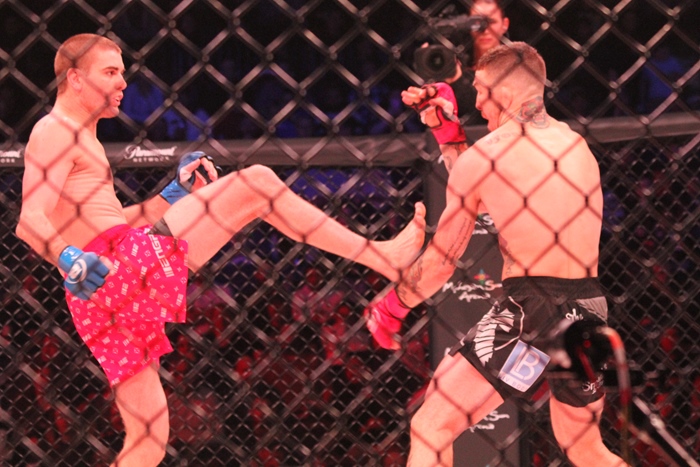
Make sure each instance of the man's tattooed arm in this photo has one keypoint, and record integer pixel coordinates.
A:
(413, 276)
(410, 286)
(462, 240)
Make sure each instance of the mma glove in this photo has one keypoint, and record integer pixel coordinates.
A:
(182, 185)
(85, 272)
(384, 319)
(441, 119)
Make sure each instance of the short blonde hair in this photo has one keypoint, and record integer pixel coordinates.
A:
(75, 53)
(515, 60)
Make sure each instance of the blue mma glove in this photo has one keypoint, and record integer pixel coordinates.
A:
(182, 185)
(86, 273)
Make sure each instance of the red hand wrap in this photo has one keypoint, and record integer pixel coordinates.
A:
(384, 320)
(448, 130)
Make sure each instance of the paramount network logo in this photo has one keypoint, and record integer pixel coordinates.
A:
(139, 154)
(9, 157)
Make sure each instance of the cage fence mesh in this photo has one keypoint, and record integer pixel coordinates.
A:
(274, 365)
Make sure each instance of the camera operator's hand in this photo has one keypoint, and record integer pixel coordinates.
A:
(437, 106)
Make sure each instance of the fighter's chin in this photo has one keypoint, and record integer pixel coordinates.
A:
(110, 112)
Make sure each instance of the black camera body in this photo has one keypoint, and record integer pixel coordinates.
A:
(437, 62)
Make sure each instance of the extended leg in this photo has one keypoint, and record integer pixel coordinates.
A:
(213, 214)
(144, 410)
(457, 398)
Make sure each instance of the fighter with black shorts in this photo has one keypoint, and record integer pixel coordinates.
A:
(508, 345)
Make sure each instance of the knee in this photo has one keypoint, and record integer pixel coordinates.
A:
(148, 445)
(260, 178)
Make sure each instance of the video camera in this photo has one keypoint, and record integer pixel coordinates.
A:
(438, 62)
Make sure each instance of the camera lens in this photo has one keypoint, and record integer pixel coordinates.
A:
(436, 61)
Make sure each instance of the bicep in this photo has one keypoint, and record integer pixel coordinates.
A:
(456, 224)
(435, 266)
(45, 172)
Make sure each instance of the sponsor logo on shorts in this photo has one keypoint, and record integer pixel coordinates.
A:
(164, 263)
(489, 421)
(123, 361)
(592, 387)
(125, 289)
(574, 315)
(524, 365)
(484, 225)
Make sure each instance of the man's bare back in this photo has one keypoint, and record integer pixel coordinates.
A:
(543, 193)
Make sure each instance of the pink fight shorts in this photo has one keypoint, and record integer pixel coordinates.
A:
(123, 323)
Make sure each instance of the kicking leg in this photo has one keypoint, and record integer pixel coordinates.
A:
(457, 398)
(144, 410)
(577, 432)
(213, 214)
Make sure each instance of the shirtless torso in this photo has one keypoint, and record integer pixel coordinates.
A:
(544, 196)
(86, 205)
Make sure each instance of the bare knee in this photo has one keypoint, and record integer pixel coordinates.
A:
(260, 178)
(427, 421)
(144, 409)
(146, 446)
(578, 433)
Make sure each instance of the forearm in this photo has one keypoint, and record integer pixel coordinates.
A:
(425, 276)
(148, 212)
(450, 153)
(38, 232)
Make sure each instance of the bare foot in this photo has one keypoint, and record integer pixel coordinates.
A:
(400, 252)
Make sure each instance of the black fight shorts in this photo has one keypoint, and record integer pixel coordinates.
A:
(508, 345)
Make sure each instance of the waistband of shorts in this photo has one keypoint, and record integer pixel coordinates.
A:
(588, 287)
(108, 240)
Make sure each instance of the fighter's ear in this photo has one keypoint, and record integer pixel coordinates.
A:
(74, 78)
(505, 96)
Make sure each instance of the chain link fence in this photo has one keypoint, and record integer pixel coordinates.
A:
(274, 365)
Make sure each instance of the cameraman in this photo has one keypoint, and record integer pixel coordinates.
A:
(482, 40)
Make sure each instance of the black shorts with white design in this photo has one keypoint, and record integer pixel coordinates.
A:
(508, 345)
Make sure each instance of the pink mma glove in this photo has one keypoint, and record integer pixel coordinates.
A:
(438, 110)
(384, 320)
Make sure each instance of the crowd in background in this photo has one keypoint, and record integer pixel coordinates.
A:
(238, 96)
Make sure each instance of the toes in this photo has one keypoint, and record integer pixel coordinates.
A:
(419, 215)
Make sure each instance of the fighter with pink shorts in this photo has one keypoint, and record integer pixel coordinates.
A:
(123, 322)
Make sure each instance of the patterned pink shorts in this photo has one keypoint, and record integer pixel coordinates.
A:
(123, 323)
